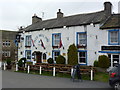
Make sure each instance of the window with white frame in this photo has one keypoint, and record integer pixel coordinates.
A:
(82, 57)
(28, 54)
(28, 40)
(55, 54)
(56, 39)
(114, 37)
(82, 39)
(6, 53)
(6, 43)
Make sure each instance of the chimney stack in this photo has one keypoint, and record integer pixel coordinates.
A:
(36, 19)
(108, 8)
(59, 14)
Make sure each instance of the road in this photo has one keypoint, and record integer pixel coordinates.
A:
(22, 80)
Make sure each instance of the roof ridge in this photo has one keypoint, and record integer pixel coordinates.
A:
(74, 15)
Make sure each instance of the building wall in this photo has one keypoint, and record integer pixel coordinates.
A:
(95, 39)
(9, 36)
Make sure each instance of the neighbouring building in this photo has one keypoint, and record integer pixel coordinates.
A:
(8, 45)
(45, 39)
(111, 46)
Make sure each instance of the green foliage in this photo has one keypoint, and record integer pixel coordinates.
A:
(50, 61)
(103, 61)
(21, 63)
(72, 55)
(95, 63)
(8, 61)
(60, 60)
(29, 63)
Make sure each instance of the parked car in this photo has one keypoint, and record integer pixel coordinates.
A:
(114, 79)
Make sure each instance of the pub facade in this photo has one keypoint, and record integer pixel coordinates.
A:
(45, 39)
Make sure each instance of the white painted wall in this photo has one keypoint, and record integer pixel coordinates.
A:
(95, 39)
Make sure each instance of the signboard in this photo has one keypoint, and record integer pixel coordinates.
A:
(110, 47)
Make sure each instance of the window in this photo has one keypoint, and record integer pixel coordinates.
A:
(6, 53)
(82, 57)
(113, 37)
(28, 41)
(81, 39)
(6, 43)
(55, 54)
(56, 39)
(28, 54)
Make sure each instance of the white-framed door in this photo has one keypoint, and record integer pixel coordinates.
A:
(114, 59)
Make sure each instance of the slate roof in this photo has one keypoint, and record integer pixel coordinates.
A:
(74, 20)
(112, 22)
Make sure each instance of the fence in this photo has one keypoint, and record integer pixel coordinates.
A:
(55, 68)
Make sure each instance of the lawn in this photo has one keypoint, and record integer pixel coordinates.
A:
(100, 76)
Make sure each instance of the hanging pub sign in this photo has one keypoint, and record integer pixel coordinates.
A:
(110, 47)
(18, 38)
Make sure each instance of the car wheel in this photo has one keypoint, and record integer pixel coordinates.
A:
(117, 86)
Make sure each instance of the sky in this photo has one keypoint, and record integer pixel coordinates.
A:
(16, 13)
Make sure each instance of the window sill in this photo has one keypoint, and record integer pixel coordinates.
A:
(55, 47)
(28, 46)
(113, 43)
(81, 46)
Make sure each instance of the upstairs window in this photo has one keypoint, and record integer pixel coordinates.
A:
(56, 39)
(81, 39)
(114, 37)
(28, 41)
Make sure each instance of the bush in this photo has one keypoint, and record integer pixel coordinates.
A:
(20, 63)
(50, 61)
(29, 63)
(72, 55)
(60, 60)
(8, 61)
(95, 63)
(103, 61)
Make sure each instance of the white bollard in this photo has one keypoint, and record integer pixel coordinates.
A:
(25, 65)
(28, 69)
(91, 75)
(71, 71)
(40, 70)
(53, 71)
(16, 67)
(0, 64)
(4, 66)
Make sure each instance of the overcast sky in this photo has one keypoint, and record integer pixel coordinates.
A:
(16, 13)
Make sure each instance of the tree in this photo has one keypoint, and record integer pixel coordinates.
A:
(72, 55)
(103, 61)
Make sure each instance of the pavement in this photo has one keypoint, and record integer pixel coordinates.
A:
(12, 79)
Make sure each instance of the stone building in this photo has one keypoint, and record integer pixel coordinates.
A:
(8, 47)
(45, 39)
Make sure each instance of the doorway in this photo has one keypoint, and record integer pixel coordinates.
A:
(114, 59)
(38, 56)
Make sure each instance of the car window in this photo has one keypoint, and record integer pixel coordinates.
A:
(114, 69)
